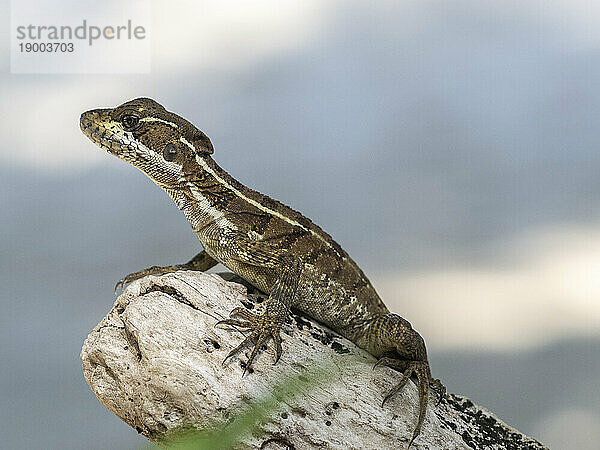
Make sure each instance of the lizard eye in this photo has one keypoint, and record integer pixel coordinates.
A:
(170, 152)
(129, 121)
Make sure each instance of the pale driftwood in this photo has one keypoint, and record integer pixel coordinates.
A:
(156, 362)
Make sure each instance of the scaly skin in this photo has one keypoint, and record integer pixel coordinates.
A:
(273, 247)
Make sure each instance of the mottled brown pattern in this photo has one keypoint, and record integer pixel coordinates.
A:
(267, 243)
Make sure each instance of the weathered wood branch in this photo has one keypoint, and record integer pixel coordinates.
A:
(156, 360)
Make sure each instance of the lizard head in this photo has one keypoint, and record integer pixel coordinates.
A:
(146, 135)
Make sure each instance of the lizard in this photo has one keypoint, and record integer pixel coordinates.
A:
(268, 244)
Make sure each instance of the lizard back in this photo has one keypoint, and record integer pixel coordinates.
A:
(218, 206)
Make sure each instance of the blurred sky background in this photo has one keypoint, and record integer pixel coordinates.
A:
(450, 147)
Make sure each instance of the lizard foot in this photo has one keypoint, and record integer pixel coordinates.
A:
(420, 369)
(202, 262)
(437, 385)
(263, 326)
(142, 273)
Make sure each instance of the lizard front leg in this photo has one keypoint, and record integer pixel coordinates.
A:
(267, 324)
(202, 262)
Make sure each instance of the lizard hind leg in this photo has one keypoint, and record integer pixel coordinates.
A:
(403, 349)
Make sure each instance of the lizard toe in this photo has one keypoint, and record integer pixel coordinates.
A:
(263, 327)
(437, 385)
(154, 270)
(420, 369)
(240, 324)
(242, 313)
(240, 346)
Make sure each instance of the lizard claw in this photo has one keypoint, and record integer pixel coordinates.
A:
(263, 327)
(131, 277)
(408, 368)
(119, 285)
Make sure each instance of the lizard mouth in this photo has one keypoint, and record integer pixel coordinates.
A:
(96, 125)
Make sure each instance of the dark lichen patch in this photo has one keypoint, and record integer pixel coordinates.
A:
(330, 409)
(446, 424)
(339, 348)
(324, 337)
(211, 345)
(488, 431)
(321, 337)
(468, 439)
(301, 323)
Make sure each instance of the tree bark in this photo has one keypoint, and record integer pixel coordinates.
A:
(155, 361)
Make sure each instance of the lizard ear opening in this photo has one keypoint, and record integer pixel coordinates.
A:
(202, 143)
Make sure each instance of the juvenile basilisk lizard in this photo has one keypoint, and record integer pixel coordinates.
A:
(271, 246)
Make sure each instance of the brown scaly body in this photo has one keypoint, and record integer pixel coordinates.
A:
(270, 245)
